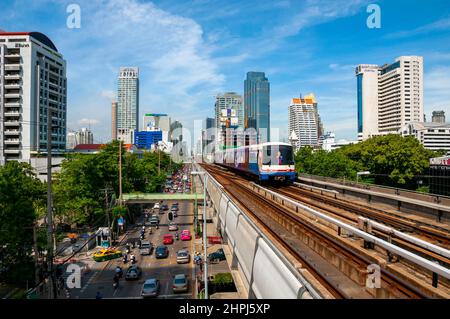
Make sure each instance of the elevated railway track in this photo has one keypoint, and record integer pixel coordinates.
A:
(337, 260)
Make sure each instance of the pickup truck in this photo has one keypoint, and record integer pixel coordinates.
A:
(146, 248)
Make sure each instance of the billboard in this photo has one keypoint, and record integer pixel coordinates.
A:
(229, 118)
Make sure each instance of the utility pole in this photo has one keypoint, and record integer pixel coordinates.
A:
(52, 283)
(36, 256)
(120, 172)
(107, 216)
(159, 159)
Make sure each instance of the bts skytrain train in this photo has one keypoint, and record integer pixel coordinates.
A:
(267, 161)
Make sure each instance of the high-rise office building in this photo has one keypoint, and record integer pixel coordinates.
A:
(303, 122)
(229, 115)
(114, 121)
(389, 96)
(32, 82)
(84, 136)
(176, 133)
(157, 122)
(210, 123)
(367, 86)
(128, 99)
(438, 117)
(210, 132)
(71, 140)
(257, 105)
(229, 110)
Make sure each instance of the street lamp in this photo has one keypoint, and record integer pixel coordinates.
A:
(204, 231)
(361, 174)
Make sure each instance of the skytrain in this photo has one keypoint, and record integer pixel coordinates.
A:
(271, 161)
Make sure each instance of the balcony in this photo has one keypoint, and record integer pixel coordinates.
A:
(12, 151)
(12, 85)
(12, 95)
(12, 123)
(12, 55)
(14, 141)
(12, 114)
(12, 132)
(12, 76)
(12, 67)
(12, 104)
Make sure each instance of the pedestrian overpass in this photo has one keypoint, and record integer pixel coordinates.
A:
(142, 198)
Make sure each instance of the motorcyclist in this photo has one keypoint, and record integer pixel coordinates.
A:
(125, 258)
(116, 281)
(176, 236)
(119, 271)
(132, 258)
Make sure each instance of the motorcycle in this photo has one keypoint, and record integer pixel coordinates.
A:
(125, 259)
(133, 259)
(176, 236)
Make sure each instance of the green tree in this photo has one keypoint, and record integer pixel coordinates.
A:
(21, 196)
(393, 160)
(319, 162)
(80, 187)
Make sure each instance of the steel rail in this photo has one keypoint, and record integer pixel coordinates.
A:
(438, 269)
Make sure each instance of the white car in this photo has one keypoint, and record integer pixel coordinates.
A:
(173, 226)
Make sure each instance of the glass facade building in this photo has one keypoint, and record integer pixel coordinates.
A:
(257, 105)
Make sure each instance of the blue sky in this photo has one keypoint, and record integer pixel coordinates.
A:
(188, 51)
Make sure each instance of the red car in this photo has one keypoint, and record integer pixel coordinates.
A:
(185, 235)
(167, 239)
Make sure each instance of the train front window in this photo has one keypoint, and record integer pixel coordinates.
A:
(277, 155)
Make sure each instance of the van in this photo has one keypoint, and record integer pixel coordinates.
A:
(146, 248)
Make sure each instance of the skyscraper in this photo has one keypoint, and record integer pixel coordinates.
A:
(303, 122)
(257, 105)
(229, 115)
(114, 121)
(176, 133)
(438, 117)
(32, 82)
(367, 86)
(128, 99)
(389, 96)
(84, 136)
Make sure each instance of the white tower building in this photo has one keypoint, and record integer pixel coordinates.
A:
(304, 122)
(389, 96)
(128, 99)
(32, 81)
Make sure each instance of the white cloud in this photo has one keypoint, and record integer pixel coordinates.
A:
(439, 25)
(437, 89)
(177, 72)
(109, 94)
(88, 122)
(317, 12)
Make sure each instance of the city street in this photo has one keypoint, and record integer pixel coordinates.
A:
(100, 279)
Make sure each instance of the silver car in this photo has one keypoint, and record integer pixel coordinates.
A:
(150, 288)
(180, 283)
(173, 226)
(183, 256)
